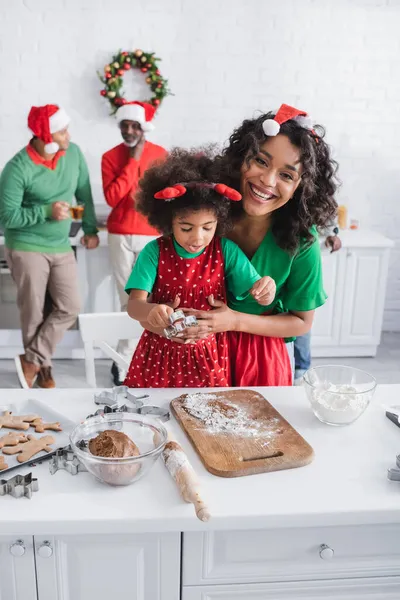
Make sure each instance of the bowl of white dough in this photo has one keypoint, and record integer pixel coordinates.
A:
(338, 395)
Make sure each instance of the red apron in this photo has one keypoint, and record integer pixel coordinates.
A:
(257, 360)
(159, 362)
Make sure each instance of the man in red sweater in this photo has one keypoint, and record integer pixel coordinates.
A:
(128, 231)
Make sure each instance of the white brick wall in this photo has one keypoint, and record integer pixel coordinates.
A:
(225, 59)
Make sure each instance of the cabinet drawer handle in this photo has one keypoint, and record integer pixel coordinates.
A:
(45, 550)
(326, 552)
(18, 548)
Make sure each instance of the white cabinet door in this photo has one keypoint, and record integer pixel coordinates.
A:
(326, 326)
(17, 569)
(132, 567)
(364, 296)
(381, 588)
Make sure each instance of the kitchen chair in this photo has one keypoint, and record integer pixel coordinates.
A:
(99, 330)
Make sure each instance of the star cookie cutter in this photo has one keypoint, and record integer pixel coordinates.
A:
(19, 485)
(394, 473)
(66, 460)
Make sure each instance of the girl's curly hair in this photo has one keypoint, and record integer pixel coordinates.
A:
(181, 166)
(313, 203)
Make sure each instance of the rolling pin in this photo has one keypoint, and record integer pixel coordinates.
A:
(183, 474)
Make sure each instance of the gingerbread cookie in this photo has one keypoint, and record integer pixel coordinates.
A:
(31, 447)
(12, 439)
(3, 465)
(40, 426)
(16, 422)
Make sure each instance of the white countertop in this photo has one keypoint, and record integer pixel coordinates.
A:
(345, 484)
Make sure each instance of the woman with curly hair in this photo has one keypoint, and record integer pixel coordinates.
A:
(184, 267)
(282, 166)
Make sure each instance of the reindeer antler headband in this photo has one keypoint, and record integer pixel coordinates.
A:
(179, 189)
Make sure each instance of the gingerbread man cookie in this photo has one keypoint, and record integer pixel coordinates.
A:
(40, 426)
(3, 465)
(12, 439)
(33, 446)
(16, 422)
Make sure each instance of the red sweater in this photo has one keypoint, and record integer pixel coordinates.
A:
(121, 176)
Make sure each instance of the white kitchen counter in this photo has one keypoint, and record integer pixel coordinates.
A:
(346, 483)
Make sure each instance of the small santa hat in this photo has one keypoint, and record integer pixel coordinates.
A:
(142, 112)
(45, 120)
(285, 113)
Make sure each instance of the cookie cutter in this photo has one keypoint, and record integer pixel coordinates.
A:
(19, 485)
(115, 402)
(394, 473)
(147, 409)
(179, 322)
(65, 459)
(117, 395)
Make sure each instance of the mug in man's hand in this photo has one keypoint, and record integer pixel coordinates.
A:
(76, 212)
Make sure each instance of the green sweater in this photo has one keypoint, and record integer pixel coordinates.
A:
(27, 191)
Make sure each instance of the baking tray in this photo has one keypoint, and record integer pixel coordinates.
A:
(48, 415)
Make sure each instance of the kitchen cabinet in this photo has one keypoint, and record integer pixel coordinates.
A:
(371, 589)
(350, 322)
(77, 567)
(17, 568)
(350, 563)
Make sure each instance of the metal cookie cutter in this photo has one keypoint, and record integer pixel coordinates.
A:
(394, 473)
(19, 485)
(65, 459)
(117, 396)
(179, 322)
(155, 411)
(115, 402)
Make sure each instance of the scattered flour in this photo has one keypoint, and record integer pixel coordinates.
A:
(219, 415)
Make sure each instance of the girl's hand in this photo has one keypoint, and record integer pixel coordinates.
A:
(263, 291)
(159, 315)
(222, 318)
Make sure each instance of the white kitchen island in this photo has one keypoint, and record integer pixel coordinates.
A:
(326, 531)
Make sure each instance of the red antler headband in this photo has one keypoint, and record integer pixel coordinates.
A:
(179, 189)
(285, 113)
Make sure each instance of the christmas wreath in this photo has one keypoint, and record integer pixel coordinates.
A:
(125, 61)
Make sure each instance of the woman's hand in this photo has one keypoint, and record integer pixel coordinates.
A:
(264, 290)
(222, 318)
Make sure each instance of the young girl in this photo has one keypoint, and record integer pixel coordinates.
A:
(183, 268)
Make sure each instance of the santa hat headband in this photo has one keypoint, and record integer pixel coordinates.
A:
(179, 189)
(286, 113)
(142, 112)
(43, 121)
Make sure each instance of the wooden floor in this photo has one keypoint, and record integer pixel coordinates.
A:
(71, 373)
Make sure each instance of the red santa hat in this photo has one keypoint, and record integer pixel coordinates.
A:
(142, 112)
(285, 113)
(43, 121)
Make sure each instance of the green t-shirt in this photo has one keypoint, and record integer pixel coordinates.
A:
(298, 277)
(240, 274)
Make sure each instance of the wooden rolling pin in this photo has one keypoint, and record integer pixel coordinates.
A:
(183, 474)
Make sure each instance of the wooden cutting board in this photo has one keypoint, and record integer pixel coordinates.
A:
(238, 432)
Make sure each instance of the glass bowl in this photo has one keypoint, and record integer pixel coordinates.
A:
(149, 435)
(338, 395)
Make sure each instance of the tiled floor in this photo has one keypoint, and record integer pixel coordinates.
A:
(71, 373)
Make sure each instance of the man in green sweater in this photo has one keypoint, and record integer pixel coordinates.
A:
(37, 188)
